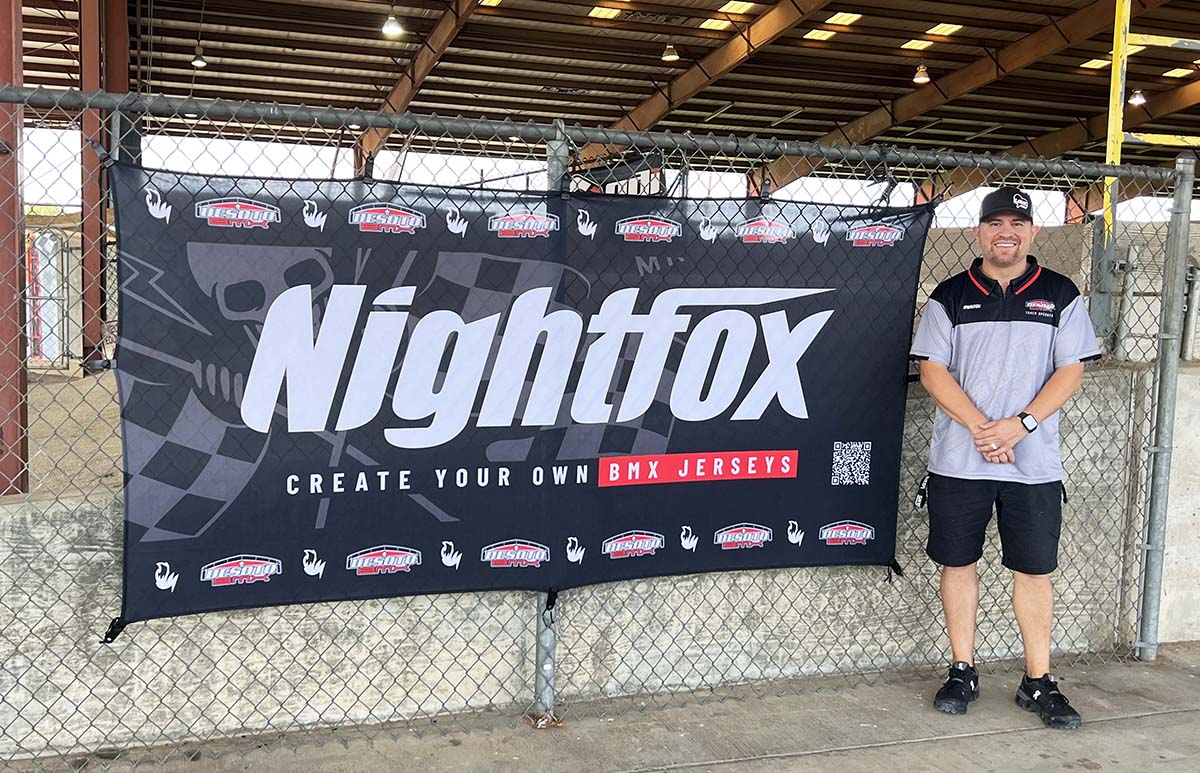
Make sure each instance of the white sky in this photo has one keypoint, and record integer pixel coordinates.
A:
(52, 176)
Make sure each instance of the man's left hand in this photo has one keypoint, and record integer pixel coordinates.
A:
(999, 435)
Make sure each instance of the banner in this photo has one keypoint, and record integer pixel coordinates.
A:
(356, 389)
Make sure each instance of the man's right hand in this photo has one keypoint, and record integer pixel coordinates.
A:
(1003, 456)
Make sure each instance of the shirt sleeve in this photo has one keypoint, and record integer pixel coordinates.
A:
(935, 335)
(1076, 339)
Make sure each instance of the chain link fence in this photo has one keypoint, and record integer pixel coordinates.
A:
(603, 650)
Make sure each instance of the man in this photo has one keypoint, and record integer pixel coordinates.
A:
(1002, 347)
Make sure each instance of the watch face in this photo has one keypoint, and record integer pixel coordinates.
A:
(1030, 423)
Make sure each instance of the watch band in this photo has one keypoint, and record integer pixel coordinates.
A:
(1025, 419)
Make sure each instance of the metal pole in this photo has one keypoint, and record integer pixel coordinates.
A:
(1125, 308)
(1170, 330)
(1104, 260)
(1188, 352)
(558, 152)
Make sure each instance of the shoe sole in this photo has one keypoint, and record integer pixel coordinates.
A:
(950, 707)
(1057, 724)
(953, 707)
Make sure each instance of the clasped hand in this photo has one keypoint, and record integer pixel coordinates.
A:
(996, 439)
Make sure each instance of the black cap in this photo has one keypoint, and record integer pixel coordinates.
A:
(1012, 200)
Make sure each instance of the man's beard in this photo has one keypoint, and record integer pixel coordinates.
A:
(1005, 261)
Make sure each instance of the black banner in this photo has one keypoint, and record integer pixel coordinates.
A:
(355, 389)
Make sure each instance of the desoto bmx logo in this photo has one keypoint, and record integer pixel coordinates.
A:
(846, 533)
(523, 225)
(240, 570)
(383, 559)
(237, 213)
(631, 544)
(761, 230)
(648, 228)
(514, 553)
(875, 235)
(380, 217)
(742, 535)
(313, 363)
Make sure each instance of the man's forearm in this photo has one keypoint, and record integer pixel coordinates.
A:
(1063, 384)
(949, 396)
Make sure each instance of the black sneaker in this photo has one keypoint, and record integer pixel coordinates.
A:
(1042, 697)
(961, 687)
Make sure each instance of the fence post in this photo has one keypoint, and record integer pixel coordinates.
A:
(557, 157)
(1170, 331)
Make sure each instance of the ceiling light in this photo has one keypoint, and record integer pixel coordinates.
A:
(917, 45)
(1178, 72)
(819, 34)
(1137, 98)
(392, 26)
(198, 60)
(1096, 64)
(921, 76)
(737, 7)
(353, 127)
(715, 24)
(604, 13)
(492, 3)
(842, 17)
(190, 115)
(669, 54)
(944, 29)
(514, 138)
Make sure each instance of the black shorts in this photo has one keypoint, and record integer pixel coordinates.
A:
(1029, 516)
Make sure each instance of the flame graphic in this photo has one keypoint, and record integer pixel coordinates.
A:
(456, 223)
(314, 217)
(587, 226)
(158, 209)
(313, 567)
(795, 536)
(708, 231)
(575, 551)
(687, 539)
(450, 556)
(164, 578)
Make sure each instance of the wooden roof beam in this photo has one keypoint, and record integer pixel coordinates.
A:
(422, 63)
(737, 49)
(1071, 137)
(1082, 25)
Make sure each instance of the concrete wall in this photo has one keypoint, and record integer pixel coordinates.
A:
(350, 663)
(1180, 620)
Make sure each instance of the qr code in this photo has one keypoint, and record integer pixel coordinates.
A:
(851, 464)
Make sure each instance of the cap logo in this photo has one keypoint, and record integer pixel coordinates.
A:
(1020, 202)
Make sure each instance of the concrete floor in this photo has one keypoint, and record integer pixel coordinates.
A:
(1137, 717)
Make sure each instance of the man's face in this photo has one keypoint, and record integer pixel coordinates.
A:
(1005, 239)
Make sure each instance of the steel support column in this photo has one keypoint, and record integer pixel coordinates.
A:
(14, 443)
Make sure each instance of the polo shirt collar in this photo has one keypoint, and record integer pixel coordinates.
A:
(989, 286)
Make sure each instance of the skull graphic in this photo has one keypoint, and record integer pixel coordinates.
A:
(245, 279)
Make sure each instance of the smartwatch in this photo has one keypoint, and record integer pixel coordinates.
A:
(1028, 421)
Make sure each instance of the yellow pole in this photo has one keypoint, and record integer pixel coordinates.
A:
(1116, 112)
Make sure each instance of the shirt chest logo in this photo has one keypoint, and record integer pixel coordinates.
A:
(1040, 307)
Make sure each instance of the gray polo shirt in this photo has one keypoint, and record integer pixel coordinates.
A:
(1002, 347)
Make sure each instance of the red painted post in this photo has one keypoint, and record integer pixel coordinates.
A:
(14, 419)
(92, 215)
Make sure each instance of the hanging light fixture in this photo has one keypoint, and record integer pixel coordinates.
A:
(392, 26)
(1137, 98)
(669, 54)
(198, 60)
(921, 77)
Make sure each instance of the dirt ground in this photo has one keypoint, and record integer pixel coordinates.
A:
(74, 435)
